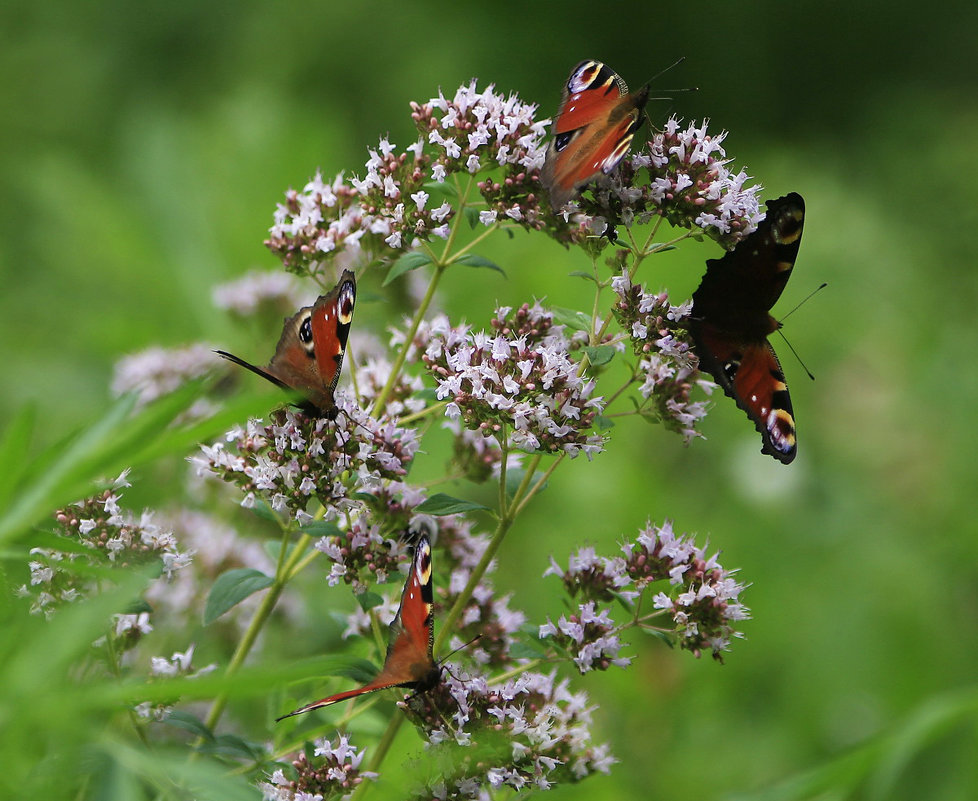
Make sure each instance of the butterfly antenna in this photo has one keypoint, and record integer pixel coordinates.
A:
(804, 301)
(660, 73)
(460, 648)
(792, 349)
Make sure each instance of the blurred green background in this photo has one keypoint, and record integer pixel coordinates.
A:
(145, 145)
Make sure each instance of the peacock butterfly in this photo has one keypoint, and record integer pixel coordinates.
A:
(730, 322)
(409, 662)
(310, 351)
(594, 128)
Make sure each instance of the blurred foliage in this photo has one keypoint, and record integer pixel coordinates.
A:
(145, 145)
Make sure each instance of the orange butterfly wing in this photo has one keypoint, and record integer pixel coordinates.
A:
(594, 129)
(310, 351)
(409, 662)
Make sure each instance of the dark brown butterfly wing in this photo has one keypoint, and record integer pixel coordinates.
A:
(310, 351)
(409, 662)
(730, 322)
(593, 130)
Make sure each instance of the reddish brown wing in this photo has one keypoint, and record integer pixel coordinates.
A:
(731, 322)
(409, 662)
(593, 131)
(310, 351)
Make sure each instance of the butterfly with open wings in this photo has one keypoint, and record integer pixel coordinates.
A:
(731, 321)
(310, 351)
(593, 130)
(409, 662)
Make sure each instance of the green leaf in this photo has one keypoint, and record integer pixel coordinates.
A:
(582, 274)
(368, 600)
(471, 260)
(659, 635)
(67, 471)
(13, 451)
(265, 512)
(428, 394)
(231, 745)
(523, 649)
(231, 588)
(600, 354)
(514, 478)
(602, 423)
(187, 722)
(572, 318)
(411, 260)
(320, 528)
(662, 248)
(442, 504)
(472, 215)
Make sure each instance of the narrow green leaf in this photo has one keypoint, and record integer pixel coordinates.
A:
(600, 354)
(582, 274)
(231, 588)
(442, 504)
(572, 318)
(411, 260)
(471, 260)
(13, 451)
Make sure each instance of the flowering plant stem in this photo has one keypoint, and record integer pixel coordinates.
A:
(286, 570)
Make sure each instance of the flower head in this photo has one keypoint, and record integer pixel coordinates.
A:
(330, 771)
(657, 331)
(518, 382)
(390, 207)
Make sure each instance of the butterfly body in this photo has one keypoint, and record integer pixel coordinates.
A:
(310, 351)
(731, 322)
(593, 129)
(409, 662)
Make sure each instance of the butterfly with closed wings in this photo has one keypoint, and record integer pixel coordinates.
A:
(409, 662)
(310, 351)
(593, 129)
(730, 322)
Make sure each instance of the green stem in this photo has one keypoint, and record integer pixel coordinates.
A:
(380, 752)
(502, 528)
(255, 626)
(521, 505)
(385, 393)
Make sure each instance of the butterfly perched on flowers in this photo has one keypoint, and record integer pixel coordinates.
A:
(730, 322)
(593, 130)
(310, 351)
(409, 662)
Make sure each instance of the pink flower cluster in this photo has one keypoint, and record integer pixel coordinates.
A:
(668, 365)
(111, 536)
(295, 458)
(532, 733)
(518, 383)
(702, 597)
(330, 771)
(393, 207)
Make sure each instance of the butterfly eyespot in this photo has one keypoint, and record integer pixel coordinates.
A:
(305, 330)
(730, 368)
(562, 140)
(345, 305)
